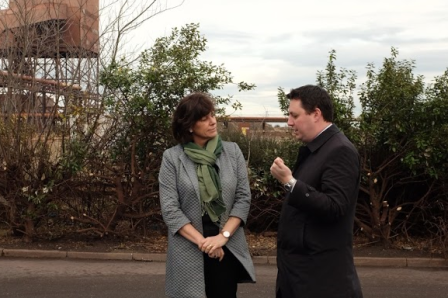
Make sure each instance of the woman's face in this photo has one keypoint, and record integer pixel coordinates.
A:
(205, 129)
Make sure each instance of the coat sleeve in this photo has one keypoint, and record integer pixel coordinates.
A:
(172, 214)
(242, 201)
(338, 187)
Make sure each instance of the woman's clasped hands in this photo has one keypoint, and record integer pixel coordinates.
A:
(212, 246)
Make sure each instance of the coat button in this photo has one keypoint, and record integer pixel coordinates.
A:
(307, 195)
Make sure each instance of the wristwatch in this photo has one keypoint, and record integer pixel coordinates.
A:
(226, 234)
(290, 184)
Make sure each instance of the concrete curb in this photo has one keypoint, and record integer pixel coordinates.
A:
(261, 260)
(26, 253)
(380, 262)
(99, 255)
(422, 262)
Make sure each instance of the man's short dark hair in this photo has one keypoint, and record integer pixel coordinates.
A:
(313, 97)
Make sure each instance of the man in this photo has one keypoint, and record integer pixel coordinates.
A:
(315, 232)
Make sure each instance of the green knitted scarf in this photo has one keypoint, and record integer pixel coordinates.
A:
(209, 183)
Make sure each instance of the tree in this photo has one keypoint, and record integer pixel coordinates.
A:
(430, 158)
(400, 135)
(43, 51)
(391, 146)
(340, 86)
(122, 17)
(140, 100)
(51, 105)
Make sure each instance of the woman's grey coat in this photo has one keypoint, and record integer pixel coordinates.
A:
(180, 203)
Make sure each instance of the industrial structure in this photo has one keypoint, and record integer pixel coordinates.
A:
(264, 125)
(49, 53)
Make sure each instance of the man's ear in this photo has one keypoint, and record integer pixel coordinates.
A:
(317, 114)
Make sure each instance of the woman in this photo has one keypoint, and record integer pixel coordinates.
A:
(205, 200)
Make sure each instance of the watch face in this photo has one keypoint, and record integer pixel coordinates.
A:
(226, 234)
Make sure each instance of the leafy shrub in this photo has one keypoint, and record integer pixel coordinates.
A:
(267, 194)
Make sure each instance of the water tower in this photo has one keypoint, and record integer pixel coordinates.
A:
(48, 52)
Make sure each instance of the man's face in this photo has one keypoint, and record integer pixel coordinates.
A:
(303, 124)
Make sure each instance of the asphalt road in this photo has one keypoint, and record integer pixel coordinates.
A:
(60, 278)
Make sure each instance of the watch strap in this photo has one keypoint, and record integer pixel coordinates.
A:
(290, 184)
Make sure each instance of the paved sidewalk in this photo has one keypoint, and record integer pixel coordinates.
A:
(270, 260)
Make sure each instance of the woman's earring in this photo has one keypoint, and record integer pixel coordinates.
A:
(191, 131)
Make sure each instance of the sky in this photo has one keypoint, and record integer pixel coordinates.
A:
(284, 43)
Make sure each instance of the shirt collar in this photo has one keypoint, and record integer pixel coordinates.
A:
(322, 137)
(324, 129)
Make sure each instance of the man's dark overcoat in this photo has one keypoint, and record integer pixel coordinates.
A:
(315, 234)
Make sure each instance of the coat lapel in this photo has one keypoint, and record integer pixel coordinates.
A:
(314, 145)
(190, 169)
(304, 152)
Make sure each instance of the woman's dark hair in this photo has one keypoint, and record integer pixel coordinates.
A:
(313, 97)
(190, 109)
